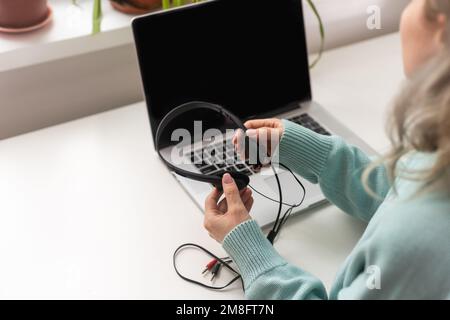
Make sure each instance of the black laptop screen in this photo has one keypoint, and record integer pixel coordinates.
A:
(248, 55)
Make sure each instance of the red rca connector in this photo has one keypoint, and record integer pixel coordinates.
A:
(210, 265)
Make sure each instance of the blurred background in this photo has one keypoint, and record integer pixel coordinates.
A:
(62, 71)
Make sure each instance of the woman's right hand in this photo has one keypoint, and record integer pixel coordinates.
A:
(270, 130)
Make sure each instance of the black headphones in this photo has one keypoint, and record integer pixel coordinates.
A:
(241, 179)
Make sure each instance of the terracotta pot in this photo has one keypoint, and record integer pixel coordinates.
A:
(136, 6)
(17, 14)
(145, 4)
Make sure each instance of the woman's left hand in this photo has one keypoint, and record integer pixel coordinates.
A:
(222, 217)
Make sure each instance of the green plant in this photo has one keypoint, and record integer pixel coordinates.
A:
(97, 10)
(166, 4)
(321, 31)
(96, 15)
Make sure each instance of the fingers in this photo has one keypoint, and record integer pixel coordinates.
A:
(231, 191)
(240, 143)
(223, 207)
(268, 139)
(245, 194)
(264, 134)
(238, 136)
(212, 199)
(261, 123)
(249, 204)
(266, 131)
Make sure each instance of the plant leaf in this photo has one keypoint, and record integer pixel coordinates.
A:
(97, 16)
(322, 33)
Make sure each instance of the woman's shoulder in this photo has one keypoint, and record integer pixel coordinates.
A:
(417, 223)
(409, 242)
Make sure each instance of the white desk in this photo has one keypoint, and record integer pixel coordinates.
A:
(88, 211)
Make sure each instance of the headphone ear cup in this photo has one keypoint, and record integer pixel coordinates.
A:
(216, 181)
(241, 180)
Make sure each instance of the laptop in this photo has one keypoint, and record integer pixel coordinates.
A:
(249, 56)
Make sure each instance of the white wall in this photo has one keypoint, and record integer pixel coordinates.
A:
(57, 91)
(345, 20)
(46, 94)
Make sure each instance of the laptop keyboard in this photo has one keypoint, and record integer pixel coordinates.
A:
(307, 121)
(220, 157)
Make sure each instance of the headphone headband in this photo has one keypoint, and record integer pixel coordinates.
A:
(241, 179)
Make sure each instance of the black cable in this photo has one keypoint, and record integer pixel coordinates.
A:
(272, 233)
(269, 198)
(279, 223)
(212, 255)
(284, 203)
(289, 211)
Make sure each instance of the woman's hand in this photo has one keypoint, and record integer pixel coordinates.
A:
(267, 132)
(222, 217)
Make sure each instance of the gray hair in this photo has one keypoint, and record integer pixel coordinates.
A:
(420, 118)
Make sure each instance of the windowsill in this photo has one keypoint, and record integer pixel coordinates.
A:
(68, 34)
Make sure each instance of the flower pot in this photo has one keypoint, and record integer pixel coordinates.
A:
(23, 14)
(136, 6)
(145, 4)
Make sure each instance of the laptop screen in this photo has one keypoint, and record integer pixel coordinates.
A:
(249, 56)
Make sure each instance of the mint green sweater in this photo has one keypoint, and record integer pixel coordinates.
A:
(403, 254)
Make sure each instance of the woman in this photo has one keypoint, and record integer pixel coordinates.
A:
(405, 196)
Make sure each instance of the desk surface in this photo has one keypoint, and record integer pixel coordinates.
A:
(88, 211)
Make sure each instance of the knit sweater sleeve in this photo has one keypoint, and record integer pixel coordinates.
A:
(265, 273)
(390, 249)
(336, 166)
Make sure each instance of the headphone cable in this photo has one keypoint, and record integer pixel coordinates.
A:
(216, 264)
